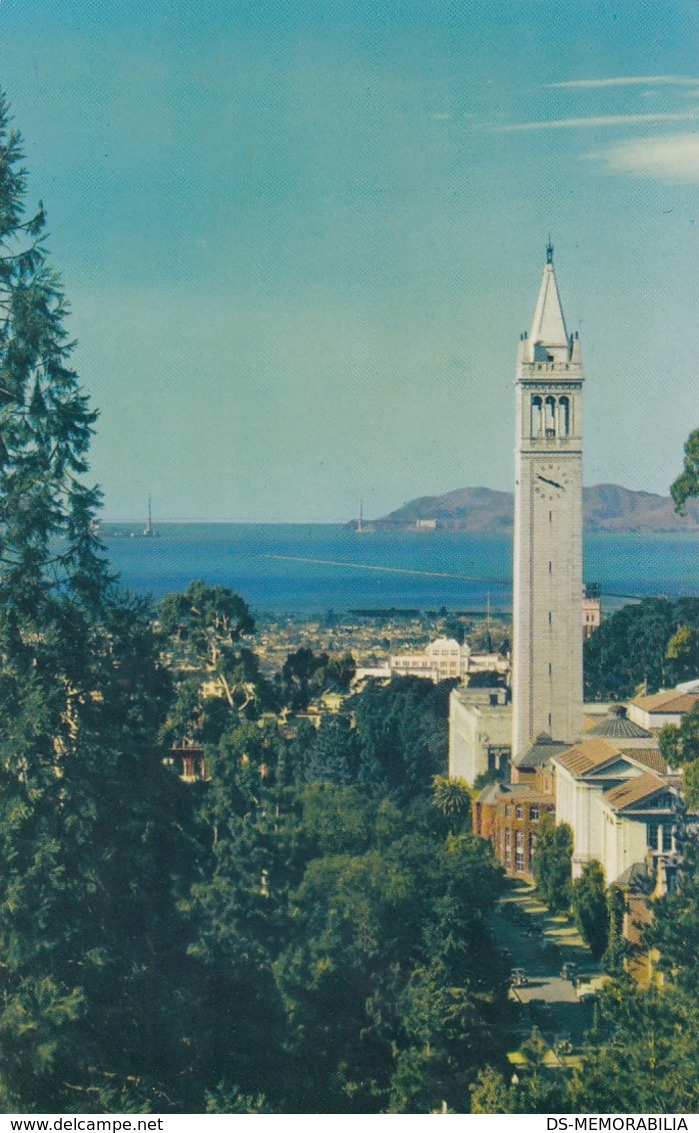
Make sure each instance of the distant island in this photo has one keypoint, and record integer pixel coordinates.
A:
(606, 507)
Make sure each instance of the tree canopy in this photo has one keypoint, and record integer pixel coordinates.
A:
(551, 866)
(686, 486)
(590, 910)
(647, 645)
(93, 829)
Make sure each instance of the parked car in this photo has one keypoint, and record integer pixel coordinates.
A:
(519, 977)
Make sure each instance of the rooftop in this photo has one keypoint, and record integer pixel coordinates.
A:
(648, 757)
(635, 791)
(543, 748)
(588, 755)
(595, 754)
(616, 725)
(669, 701)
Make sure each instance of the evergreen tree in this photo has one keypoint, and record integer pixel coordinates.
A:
(217, 677)
(551, 867)
(534, 1089)
(617, 946)
(238, 916)
(334, 753)
(590, 910)
(47, 538)
(91, 823)
(645, 1059)
(402, 729)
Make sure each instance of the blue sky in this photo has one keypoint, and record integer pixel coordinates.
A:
(300, 239)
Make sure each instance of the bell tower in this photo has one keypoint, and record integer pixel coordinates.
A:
(547, 646)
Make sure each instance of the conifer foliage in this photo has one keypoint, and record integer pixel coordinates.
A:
(86, 807)
(45, 419)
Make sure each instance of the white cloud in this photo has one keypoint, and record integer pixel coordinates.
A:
(626, 81)
(601, 120)
(671, 158)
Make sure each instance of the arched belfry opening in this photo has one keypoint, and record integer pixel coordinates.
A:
(550, 417)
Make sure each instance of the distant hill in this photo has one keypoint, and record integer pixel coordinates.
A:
(606, 507)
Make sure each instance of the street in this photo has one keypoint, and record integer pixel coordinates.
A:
(540, 943)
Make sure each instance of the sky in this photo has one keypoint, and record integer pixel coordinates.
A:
(301, 238)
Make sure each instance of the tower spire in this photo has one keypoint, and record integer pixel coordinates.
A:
(548, 325)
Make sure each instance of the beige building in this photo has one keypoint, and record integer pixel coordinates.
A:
(480, 732)
(591, 614)
(547, 654)
(487, 663)
(653, 712)
(442, 660)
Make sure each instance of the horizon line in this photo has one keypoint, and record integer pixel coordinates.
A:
(138, 521)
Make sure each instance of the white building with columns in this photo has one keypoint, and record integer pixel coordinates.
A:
(603, 786)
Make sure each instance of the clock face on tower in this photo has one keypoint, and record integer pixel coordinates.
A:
(551, 480)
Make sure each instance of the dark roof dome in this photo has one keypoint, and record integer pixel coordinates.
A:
(617, 725)
(540, 752)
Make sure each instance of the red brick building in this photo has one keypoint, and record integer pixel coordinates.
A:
(508, 814)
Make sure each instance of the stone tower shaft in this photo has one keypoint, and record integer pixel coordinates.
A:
(547, 646)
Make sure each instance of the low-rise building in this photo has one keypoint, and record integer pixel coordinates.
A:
(591, 614)
(585, 775)
(508, 814)
(441, 660)
(189, 762)
(480, 732)
(371, 672)
(487, 663)
(638, 824)
(444, 659)
(668, 707)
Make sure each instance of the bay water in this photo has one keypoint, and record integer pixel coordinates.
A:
(309, 568)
